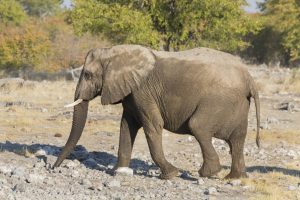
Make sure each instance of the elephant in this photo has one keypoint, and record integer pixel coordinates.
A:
(202, 92)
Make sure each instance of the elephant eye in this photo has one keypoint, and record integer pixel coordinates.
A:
(87, 75)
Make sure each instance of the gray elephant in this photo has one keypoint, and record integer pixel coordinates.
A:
(202, 92)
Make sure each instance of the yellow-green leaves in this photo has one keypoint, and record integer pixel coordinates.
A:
(22, 47)
(117, 22)
(11, 12)
(171, 24)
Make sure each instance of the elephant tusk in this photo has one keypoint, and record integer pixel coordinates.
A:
(78, 101)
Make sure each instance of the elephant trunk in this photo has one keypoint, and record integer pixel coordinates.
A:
(79, 119)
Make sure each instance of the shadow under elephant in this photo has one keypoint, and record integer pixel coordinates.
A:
(105, 160)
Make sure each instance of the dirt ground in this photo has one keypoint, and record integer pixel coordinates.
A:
(34, 126)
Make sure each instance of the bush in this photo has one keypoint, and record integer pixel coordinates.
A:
(23, 47)
(11, 12)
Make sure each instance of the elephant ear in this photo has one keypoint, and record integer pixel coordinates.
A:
(127, 67)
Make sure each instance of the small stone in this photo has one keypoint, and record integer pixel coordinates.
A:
(292, 154)
(40, 152)
(200, 181)
(49, 181)
(235, 182)
(86, 182)
(72, 164)
(19, 188)
(5, 169)
(40, 164)
(124, 171)
(44, 110)
(113, 183)
(18, 172)
(272, 120)
(75, 174)
(57, 135)
(3, 181)
(153, 172)
(291, 188)
(98, 186)
(211, 191)
(35, 178)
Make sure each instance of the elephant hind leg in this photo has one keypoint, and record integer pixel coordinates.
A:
(203, 132)
(236, 143)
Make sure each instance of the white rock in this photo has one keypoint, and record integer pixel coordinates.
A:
(291, 188)
(86, 182)
(44, 110)
(124, 171)
(200, 181)
(211, 190)
(236, 182)
(6, 169)
(292, 154)
(40, 164)
(40, 152)
(18, 172)
(72, 163)
(272, 120)
(75, 174)
(35, 178)
(113, 183)
(19, 188)
(153, 172)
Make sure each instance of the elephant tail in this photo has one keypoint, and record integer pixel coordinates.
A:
(255, 96)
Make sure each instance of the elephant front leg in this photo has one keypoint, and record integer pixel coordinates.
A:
(128, 131)
(154, 139)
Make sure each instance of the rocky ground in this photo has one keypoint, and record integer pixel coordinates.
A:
(34, 126)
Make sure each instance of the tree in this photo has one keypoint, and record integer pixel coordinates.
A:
(22, 47)
(41, 8)
(173, 24)
(283, 17)
(11, 12)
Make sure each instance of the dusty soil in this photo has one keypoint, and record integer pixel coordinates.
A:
(34, 126)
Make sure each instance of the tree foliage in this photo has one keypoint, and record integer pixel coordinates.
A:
(22, 47)
(41, 8)
(117, 22)
(11, 12)
(173, 24)
(284, 17)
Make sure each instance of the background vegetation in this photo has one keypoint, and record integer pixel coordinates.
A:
(42, 35)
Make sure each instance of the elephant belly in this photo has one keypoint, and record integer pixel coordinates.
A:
(182, 128)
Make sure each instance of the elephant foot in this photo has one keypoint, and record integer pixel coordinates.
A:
(236, 175)
(209, 170)
(169, 173)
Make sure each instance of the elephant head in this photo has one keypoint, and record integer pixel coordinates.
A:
(112, 73)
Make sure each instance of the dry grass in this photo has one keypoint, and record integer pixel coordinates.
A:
(292, 83)
(269, 84)
(291, 137)
(271, 186)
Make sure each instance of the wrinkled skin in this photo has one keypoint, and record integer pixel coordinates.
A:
(191, 92)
